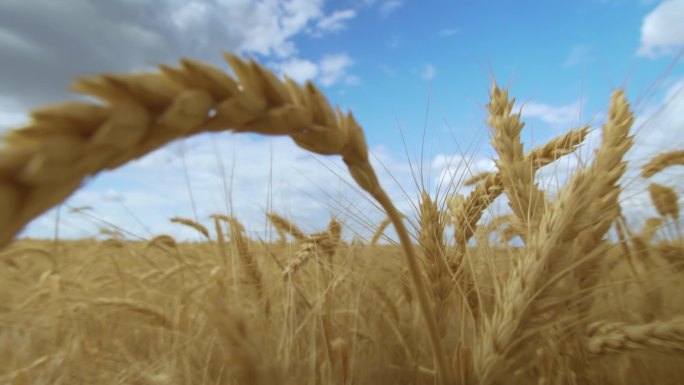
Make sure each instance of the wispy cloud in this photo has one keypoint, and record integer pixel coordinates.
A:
(330, 70)
(388, 7)
(334, 68)
(387, 70)
(662, 30)
(299, 70)
(429, 72)
(557, 116)
(446, 32)
(579, 55)
(335, 21)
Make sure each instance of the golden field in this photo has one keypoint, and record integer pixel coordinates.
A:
(581, 298)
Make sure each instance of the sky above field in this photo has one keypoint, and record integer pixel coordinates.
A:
(416, 74)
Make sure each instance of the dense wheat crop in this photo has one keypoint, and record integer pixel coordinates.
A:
(569, 303)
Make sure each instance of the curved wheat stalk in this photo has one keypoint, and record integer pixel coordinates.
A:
(44, 162)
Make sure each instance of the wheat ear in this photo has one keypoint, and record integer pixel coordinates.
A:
(546, 154)
(517, 175)
(309, 249)
(467, 213)
(44, 162)
(192, 224)
(618, 337)
(665, 200)
(575, 222)
(249, 262)
(283, 226)
(661, 162)
(433, 249)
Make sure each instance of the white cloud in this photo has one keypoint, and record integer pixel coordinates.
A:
(579, 55)
(336, 21)
(429, 72)
(40, 37)
(300, 70)
(333, 68)
(662, 30)
(387, 70)
(448, 32)
(330, 70)
(389, 6)
(264, 27)
(269, 26)
(557, 116)
(190, 15)
(352, 80)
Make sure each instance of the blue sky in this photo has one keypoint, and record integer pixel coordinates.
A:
(412, 65)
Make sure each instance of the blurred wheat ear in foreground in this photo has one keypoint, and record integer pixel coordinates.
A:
(568, 305)
(49, 159)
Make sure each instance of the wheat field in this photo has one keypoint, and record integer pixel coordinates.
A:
(582, 296)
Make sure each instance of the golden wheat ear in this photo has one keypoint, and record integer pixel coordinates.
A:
(44, 162)
(661, 162)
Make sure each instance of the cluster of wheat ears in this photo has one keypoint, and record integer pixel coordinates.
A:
(569, 305)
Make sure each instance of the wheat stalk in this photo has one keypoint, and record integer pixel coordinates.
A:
(379, 231)
(220, 240)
